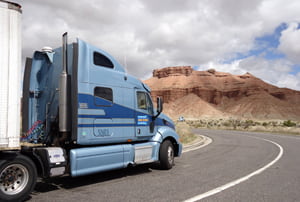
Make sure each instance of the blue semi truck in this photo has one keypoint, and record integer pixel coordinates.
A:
(82, 114)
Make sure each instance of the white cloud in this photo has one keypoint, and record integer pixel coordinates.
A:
(290, 42)
(274, 12)
(233, 67)
(273, 72)
(154, 34)
(290, 81)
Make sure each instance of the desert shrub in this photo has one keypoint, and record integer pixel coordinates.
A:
(227, 124)
(248, 123)
(275, 123)
(185, 133)
(289, 123)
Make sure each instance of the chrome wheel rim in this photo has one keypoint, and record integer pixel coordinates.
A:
(170, 155)
(13, 179)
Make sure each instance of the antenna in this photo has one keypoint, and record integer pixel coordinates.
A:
(125, 66)
(125, 62)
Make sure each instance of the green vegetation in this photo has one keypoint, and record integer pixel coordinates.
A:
(187, 136)
(248, 125)
(289, 123)
(185, 133)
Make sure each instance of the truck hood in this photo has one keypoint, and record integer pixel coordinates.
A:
(166, 120)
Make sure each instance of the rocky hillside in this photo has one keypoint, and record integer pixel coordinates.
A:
(212, 94)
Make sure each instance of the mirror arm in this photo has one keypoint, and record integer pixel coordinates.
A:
(160, 108)
(154, 117)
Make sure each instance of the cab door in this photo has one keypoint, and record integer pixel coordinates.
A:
(144, 114)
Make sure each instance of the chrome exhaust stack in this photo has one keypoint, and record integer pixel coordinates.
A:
(64, 90)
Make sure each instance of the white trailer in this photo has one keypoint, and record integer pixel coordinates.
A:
(10, 75)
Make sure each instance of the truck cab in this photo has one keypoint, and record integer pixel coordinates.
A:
(105, 105)
(93, 109)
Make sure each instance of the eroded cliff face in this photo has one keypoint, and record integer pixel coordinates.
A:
(229, 95)
(173, 71)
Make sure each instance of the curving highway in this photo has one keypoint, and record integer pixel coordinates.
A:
(236, 166)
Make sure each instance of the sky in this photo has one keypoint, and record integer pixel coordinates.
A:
(261, 37)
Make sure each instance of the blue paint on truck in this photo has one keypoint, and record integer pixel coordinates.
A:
(113, 121)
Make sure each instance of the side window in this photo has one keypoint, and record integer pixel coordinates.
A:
(141, 97)
(102, 60)
(144, 102)
(104, 93)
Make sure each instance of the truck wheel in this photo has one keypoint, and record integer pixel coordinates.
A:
(17, 178)
(166, 155)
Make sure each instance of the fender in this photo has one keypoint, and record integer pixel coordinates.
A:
(166, 133)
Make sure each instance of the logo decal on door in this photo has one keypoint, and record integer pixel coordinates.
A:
(142, 120)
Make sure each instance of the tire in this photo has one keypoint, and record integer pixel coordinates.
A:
(166, 155)
(17, 178)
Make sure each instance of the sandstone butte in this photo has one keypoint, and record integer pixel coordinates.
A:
(211, 94)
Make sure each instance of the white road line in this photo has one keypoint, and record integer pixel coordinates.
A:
(207, 141)
(236, 182)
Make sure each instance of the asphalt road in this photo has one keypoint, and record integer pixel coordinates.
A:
(231, 156)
